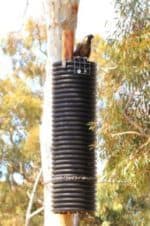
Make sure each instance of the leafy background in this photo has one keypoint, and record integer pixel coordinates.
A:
(122, 127)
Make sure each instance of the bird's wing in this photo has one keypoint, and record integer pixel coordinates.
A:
(78, 49)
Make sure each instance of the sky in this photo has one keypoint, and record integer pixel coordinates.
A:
(92, 16)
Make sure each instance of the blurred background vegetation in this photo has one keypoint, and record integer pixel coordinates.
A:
(122, 126)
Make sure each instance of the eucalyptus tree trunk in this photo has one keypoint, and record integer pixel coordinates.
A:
(61, 25)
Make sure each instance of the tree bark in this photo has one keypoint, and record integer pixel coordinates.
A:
(28, 213)
(61, 24)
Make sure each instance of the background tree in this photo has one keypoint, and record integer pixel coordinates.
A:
(124, 136)
(20, 97)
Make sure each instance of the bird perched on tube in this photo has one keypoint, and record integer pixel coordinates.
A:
(83, 49)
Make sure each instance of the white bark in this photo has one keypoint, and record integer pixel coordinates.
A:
(28, 213)
(58, 17)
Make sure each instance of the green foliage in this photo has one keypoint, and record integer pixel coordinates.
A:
(20, 98)
(123, 198)
(132, 15)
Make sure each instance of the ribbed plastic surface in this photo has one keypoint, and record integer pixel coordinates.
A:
(73, 158)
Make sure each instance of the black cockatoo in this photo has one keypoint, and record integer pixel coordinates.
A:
(83, 49)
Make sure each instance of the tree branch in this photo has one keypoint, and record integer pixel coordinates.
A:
(28, 212)
(141, 149)
(127, 132)
(145, 144)
(26, 8)
(130, 120)
(39, 39)
(134, 124)
(36, 212)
